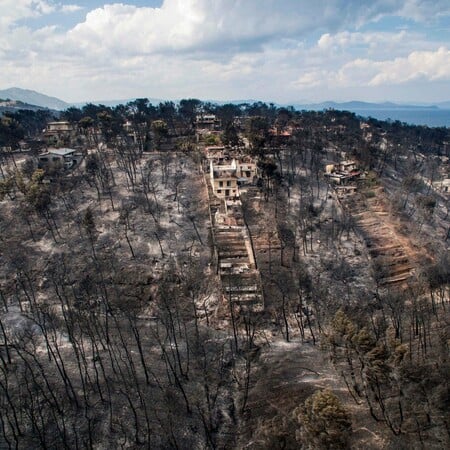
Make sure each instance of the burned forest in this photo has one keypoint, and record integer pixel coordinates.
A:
(199, 276)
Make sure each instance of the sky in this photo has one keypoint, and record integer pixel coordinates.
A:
(285, 51)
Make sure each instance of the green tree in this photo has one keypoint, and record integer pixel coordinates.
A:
(28, 167)
(6, 187)
(325, 424)
(258, 133)
(212, 139)
(160, 131)
(230, 136)
(11, 132)
(188, 109)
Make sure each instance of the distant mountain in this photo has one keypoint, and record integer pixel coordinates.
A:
(357, 105)
(236, 102)
(350, 106)
(444, 105)
(33, 98)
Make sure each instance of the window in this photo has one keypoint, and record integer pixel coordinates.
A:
(221, 183)
(228, 183)
(219, 191)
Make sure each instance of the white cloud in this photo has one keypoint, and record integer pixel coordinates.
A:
(425, 10)
(430, 66)
(70, 8)
(14, 10)
(310, 79)
(426, 66)
(215, 48)
(346, 39)
(181, 25)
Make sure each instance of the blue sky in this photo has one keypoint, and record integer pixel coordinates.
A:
(66, 20)
(283, 51)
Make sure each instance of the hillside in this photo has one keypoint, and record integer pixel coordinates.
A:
(16, 105)
(30, 97)
(144, 306)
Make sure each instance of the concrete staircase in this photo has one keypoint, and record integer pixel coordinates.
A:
(241, 281)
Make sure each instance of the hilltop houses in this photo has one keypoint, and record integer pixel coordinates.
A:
(228, 173)
(343, 172)
(443, 186)
(207, 122)
(247, 170)
(59, 158)
(56, 133)
(224, 180)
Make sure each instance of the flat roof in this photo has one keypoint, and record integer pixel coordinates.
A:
(61, 151)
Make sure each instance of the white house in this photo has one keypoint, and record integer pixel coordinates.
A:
(59, 157)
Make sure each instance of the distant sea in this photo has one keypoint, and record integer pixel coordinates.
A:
(428, 117)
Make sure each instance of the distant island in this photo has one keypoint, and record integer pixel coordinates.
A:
(357, 105)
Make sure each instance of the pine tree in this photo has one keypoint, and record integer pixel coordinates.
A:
(324, 421)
